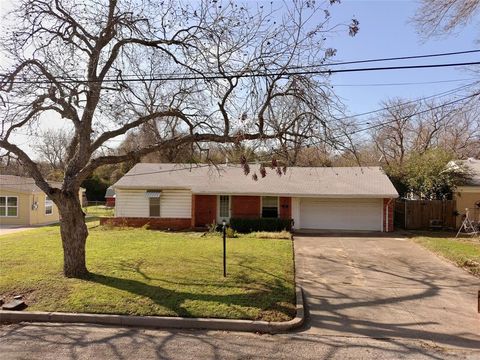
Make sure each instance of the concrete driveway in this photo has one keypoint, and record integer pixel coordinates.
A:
(386, 287)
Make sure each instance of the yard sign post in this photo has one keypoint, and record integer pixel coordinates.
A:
(224, 248)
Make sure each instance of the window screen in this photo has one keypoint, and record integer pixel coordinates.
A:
(269, 206)
(154, 206)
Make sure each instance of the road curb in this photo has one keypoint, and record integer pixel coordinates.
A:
(161, 321)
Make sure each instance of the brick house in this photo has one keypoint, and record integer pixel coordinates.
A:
(179, 196)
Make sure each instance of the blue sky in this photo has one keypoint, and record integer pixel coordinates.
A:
(386, 31)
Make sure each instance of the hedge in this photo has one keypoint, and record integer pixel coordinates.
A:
(245, 225)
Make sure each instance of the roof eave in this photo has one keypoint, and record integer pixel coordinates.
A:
(289, 194)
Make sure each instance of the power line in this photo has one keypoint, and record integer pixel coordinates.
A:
(347, 62)
(292, 67)
(402, 83)
(441, 94)
(407, 117)
(406, 57)
(385, 123)
(249, 75)
(336, 63)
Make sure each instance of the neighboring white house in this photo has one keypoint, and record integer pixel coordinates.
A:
(184, 196)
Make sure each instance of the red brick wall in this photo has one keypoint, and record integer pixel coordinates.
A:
(285, 207)
(245, 206)
(391, 205)
(154, 223)
(204, 208)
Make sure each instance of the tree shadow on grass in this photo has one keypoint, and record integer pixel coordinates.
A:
(175, 301)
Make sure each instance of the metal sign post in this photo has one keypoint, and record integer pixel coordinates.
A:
(224, 248)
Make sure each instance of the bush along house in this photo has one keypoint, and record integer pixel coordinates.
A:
(184, 196)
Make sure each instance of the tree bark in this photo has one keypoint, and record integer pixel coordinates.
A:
(74, 234)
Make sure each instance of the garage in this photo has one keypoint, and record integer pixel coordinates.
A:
(341, 214)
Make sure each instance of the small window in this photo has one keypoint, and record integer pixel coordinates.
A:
(224, 208)
(48, 206)
(154, 203)
(8, 206)
(269, 206)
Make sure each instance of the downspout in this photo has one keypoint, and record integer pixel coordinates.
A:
(386, 214)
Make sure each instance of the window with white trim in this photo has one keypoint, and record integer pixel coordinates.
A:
(48, 206)
(224, 206)
(269, 206)
(8, 206)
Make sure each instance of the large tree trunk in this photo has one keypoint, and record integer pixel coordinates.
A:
(74, 234)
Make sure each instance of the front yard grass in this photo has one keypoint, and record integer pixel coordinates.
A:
(98, 211)
(464, 252)
(145, 272)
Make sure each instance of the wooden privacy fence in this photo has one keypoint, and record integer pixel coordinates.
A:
(425, 214)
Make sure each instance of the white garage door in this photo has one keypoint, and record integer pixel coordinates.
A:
(341, 214)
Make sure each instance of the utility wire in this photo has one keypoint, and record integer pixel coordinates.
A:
(292, 67)
(441, 94)
(344, 62)
(265, 73)
(405, 57)
(402, 83)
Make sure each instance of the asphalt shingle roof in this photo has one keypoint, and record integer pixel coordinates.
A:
(21, 184)
(474, 166)
(230, 179)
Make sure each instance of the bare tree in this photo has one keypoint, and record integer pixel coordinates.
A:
(52, 148)
(394, 133)
(211, 71)
(438, 17)
(407, 128)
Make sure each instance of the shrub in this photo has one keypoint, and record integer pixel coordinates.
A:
(244, 225)
(230, 233)
(213, 228)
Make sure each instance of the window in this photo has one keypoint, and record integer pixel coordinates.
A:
(8, 206)
(269, 206)
(48, 206)
(224, 208)
(154, 207)
(153, 202)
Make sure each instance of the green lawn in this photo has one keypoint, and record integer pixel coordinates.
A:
(98, 210)
(463, 252)
(145, 272)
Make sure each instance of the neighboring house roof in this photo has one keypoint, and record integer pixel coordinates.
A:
(110, 192)
(22, 184)
(230, 179)
(473, 165)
